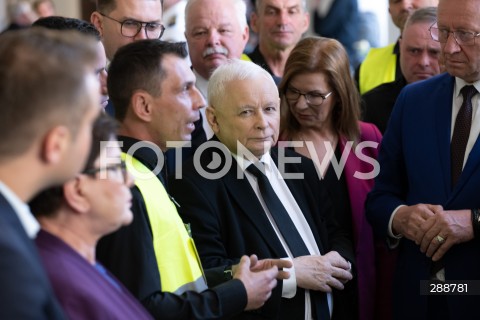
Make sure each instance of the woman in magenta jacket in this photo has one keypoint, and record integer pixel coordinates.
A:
(320, 114)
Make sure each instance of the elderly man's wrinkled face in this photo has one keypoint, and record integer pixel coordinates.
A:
(249, 114)
(214, 34)
(461, 59)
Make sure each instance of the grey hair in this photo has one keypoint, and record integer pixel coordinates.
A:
(240, 10)
(422, 15)
(233, 70)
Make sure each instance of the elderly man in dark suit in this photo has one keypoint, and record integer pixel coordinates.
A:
(49, 97)
(426, 195)
(234, 209)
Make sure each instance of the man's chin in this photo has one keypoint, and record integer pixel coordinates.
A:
(259, 151)
(215, 62)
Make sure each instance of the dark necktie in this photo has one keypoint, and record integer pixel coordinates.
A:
(461, 132)
(279, 214)
(458, 146)
(290, 234)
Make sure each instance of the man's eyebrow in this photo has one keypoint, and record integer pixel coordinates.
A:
(124, 18)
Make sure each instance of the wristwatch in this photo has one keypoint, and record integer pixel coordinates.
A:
(476, 222)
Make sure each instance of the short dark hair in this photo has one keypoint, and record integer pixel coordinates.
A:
(107, 6)
(138, 66)
(49, 201)
(63, 23)
(43, 84)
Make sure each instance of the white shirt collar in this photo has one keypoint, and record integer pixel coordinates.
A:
(243, 163)
(202, 84)
(460, 83)
(28, 221)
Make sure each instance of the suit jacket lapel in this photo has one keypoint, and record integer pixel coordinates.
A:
(444, 119)
(298, 191)
(241, 191)
(472, 164)
(443, 102)
(11, 219)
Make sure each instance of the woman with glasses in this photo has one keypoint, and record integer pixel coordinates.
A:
(73, 218)
(320, 113)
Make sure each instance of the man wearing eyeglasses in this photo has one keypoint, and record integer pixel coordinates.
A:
(123, 21)
(425, 198)
(120, 22)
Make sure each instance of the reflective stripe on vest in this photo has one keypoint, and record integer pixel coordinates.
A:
(177, 258)
(378, 67)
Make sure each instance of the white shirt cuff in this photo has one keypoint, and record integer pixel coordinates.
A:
(393, 240)
(390, 222)
(289, 288)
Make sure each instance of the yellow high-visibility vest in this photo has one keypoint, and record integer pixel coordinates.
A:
(379, 67)
(177, 258)
(244, 57)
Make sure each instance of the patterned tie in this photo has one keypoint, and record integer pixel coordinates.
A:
(461, 132)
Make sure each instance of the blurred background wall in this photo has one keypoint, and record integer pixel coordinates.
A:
(68, 8)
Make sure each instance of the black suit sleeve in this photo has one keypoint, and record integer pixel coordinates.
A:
(129, 255)
(208, 208)
(206, 221)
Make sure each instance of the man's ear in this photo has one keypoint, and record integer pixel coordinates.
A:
(246, 35)
(55, 144)
(142, 105)
(306, 22)
(97, 20)
(73, 193)
(253, 21)
(210, 113)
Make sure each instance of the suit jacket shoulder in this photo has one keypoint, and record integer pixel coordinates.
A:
(25, 292)
(378, 103)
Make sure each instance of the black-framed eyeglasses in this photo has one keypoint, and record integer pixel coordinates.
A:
(463, 38)
(131, 28)
(313, 98)
(117, 169)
